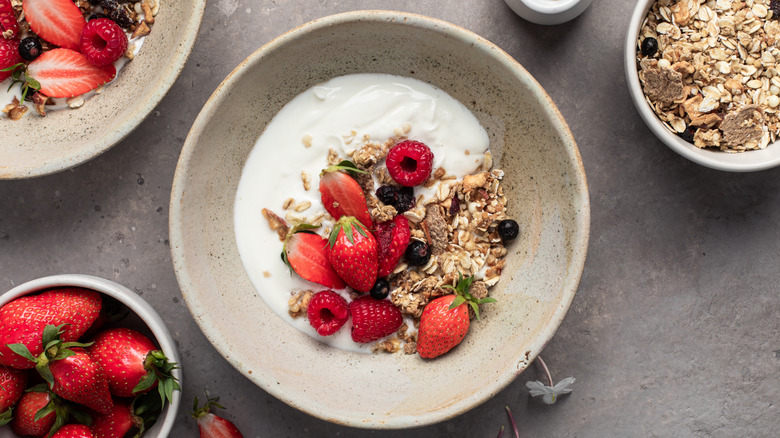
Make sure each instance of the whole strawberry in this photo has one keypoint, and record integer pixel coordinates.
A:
(306, 253)
(12, 383)
(117, 423)
(74, 431)
(353, 253)
(24, 422)
(22, 320)
(132, 363)
(69, 371)
(373, 319)
(445, 320)
(342, 195)
(211, 425)
(392, 238)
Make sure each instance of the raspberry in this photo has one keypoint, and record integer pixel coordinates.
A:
(373, 319)
(103, 41)
(327, 312)
(409, 163)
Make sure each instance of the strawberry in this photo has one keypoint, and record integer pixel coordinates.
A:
(23, 320)
(67, 73)
(9, 55)
(373, 319)
(353, 253)
(8, 19)
(341, 194)
(74, 431)
(392, 238)
(132, 363)
(445, 320)
(69, 371)
(306, 253)
(57, 21)
(27, 410)
(117, 423)
(12, 382)
(213, 426)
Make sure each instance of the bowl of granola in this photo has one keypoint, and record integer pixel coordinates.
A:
(77, 77)
(412, 176)
(703, 77)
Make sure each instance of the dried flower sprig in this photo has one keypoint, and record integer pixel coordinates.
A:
(551, 391)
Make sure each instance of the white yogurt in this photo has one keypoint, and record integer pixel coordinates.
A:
(373, 105)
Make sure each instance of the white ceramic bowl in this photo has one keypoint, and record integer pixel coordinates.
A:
(548, 12)
(35, 146)
(544, 181)
(741, 162)
(148, 320)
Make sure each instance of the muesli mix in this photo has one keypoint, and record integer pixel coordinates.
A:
(709, 70)
(59, 50)
(417, 249)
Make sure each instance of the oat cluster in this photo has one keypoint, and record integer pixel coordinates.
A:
(458, 222)
(714, 78)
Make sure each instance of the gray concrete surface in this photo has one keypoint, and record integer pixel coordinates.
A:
(674, 331)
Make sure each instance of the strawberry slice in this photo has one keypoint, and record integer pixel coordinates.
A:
(307, 254)
(57, 21)
(342, 195)
(8, 19)
(9, 56)
(393, 238)
(67, 73)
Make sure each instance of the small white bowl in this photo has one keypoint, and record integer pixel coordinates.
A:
(548, 12)
(137, 305)
(748, 161)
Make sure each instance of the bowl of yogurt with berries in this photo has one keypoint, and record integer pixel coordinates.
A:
(407, 200)
(77, 77)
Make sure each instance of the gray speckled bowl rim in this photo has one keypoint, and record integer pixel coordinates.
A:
(579, 245)
(136, 304)
(749, 161)
(144, 107)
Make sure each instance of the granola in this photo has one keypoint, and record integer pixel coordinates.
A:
(713, 79)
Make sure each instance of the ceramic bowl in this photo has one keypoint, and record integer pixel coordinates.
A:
(143, 318)
(544, 180)
(548, 12)
(713, 158)
(35, 146)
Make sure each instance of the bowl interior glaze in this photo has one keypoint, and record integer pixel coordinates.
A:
(545, 183)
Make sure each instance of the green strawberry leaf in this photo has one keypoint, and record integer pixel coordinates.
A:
(22, 350)
(7, 416)
(13, 67)
(346, 166)
(460, 299)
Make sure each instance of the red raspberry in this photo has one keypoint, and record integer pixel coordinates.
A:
(373, 319)
(103, 41)
(9, 56)
(392, 238)
(327, 312)
(409, 163)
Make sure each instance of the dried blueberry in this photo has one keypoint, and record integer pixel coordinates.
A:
(418, 253)
(508, 229)
(381, 289)
(649, 46)
(688, 134)
(406, 199)
(388, 195)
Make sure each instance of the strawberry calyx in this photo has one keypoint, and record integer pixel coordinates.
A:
(160, 371)
(346, 223)
(53, 349)
(198, 412)
(19, 76)
(462, 295)
(346, 166)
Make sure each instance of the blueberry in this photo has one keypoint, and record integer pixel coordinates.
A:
(649, 46)
(508, 229)
(418, 253)
(388, 195)
(381, 289)
(30, 48)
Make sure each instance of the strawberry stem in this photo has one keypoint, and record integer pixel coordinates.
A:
(346, 166)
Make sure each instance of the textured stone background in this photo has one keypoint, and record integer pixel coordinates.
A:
(674, 330)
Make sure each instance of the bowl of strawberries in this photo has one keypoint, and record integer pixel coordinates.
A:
(77, 77)
(81, 354)
(386, 234)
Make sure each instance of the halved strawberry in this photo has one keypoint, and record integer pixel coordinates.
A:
(342, 195)
(67, 73)
(8, 18)
(57, 21)
(9, 56)
(307, 254)
(392, 237)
